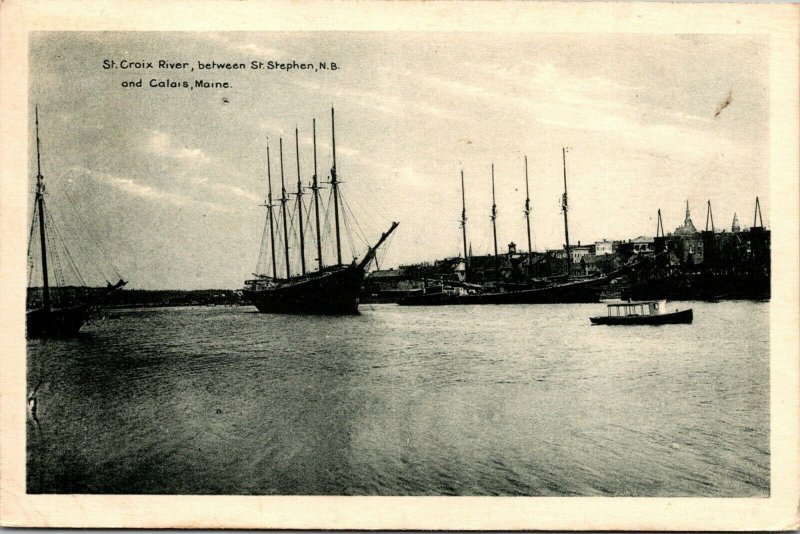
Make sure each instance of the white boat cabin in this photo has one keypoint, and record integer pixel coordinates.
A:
(637, 308)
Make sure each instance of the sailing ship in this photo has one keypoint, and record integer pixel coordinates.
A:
(567, 290)
(329, 290)
(57, 310)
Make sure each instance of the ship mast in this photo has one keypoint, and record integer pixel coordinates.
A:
(315, 189)
(494, 231)
(335, 185)
(709, 217)
(284, 200)
(564, 209)
(464, 225)
(40, 204)
(528, 218)
(300, 206)
(271, 207)
(659, 226)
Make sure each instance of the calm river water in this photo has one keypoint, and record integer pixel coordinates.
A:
(472, 400)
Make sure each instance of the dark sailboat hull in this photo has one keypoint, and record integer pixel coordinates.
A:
(430, 299)
(58, 322)
(585, 291)
(67, 321)
(330, 292)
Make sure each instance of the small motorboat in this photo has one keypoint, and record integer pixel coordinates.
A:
(653, 312)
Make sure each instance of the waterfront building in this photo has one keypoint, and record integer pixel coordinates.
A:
(452, 268)
(578, 252)
(604, 247)
(643, 245)
(387, 276)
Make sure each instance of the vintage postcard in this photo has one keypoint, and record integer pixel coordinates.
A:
(378, 265)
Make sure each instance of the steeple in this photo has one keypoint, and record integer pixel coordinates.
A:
(735, 224)
(688, 227)
(757, 216)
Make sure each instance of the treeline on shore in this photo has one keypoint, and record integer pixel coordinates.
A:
(139, 298)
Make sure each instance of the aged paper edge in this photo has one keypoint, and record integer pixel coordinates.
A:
(778, 512)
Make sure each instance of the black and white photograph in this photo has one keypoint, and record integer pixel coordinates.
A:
(406, 263)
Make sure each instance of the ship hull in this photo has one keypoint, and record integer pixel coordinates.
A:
(681, 317)
(430, 299)
(569, 293)
(60, 322)
(587, 291)
(702, 288)
(330, 292)
(67, 321)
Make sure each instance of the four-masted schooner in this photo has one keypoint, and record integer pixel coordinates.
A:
(61, 311)
(329, 290)
(566, 290)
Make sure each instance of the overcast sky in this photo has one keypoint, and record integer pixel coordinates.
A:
(170, 179)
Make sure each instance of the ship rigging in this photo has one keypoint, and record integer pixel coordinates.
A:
(566, 291)
(56, 308)
(332, 289)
